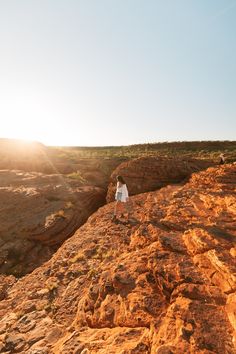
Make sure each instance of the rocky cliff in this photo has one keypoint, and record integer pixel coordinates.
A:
(146, 174)
(38, 212)
(35, 157)
(162, 283)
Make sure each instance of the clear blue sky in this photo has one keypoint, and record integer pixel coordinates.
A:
(117, 72)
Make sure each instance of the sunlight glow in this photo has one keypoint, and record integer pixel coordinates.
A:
(71, 75)
(29, 130)
(29, 118)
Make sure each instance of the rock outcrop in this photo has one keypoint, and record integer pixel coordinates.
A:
(35, 157)
(38, 212)
(162, 283)
(146, 174)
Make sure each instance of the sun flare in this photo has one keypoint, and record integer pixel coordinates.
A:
(28, 129)
(31, 116)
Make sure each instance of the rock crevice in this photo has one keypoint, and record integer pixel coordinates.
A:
(137, 287)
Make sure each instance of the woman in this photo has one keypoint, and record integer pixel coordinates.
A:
(121, 196)
(222, 159)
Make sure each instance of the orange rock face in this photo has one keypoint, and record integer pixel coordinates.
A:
(38, 212)
(164, 282)
(146, 174)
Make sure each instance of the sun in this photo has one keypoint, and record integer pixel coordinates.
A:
(30, 129)
(23, 129)
(31, 116)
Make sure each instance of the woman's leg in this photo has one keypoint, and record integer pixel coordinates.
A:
(120, 208)
(129, 207)
(115, 211)
(117, 208)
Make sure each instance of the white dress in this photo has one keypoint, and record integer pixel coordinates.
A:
(124, 192)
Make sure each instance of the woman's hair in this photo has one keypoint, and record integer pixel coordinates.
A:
(120, 179)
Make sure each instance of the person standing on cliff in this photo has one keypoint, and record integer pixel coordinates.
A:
(121, 197)
(222, 159)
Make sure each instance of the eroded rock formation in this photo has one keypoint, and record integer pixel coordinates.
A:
(146, 174)
(38, 212)
(36, 157)
(162, 283)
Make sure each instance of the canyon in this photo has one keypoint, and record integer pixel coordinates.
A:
(164, 282)
(38, 212)
(74, 281)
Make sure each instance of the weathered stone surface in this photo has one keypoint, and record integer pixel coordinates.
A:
(146, 174)
(36, 157)
(5, 283)
(38, 212)
(162, 283)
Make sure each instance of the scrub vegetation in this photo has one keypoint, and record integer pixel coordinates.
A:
(197, 149)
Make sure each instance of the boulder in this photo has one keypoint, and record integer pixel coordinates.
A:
(146, 174)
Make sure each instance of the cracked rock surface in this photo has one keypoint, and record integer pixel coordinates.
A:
(164, 282)
(145, 174)
(37, 213)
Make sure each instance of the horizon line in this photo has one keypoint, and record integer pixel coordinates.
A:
(28, 141)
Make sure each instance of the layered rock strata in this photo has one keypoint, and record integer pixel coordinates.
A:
(162, 283)
(146, 174)
(38, 212)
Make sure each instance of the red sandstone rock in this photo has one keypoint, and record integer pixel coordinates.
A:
(38, 212)
(163, 283)
(146, 174)
(35, 157)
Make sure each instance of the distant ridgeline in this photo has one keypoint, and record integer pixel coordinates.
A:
(199, 149)
(12, 151)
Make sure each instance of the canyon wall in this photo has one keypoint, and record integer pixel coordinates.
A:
(163, 282)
